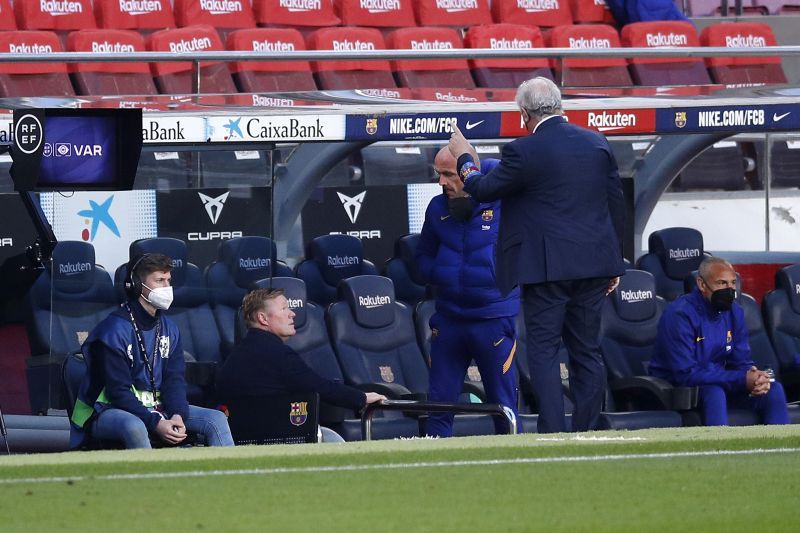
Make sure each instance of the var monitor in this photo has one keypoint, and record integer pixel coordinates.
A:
(75, 149)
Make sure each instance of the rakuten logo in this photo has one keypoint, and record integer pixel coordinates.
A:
(380, 93)
(611, 121)
(797, 288)
(58, 8)
(431, 45)
(506, 44)
(594, 42)
(373, 301)
(745, 41)
(251, 263)
(339, 261)
(221, 7)
(268, 101)
(177, 263)
(107, 47)
(450, 97)
(666, 39)
(195, 45)
(635, 296)
(29, 48)
(380, 6)
(74, 268)
(294, 303)
(342, 46)
(533, 6)
(139, 7)
(454, 6)
(300, 5)
(276, 46)
(682, 254)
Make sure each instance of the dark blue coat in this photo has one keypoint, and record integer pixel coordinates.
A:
(563, 208)
(457, 258)
(697, 345)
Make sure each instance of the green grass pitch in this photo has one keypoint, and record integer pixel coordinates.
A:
(698, 479)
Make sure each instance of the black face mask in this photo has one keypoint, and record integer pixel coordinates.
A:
(722, 299)
(460, 208)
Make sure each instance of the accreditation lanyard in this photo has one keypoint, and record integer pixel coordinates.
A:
(143, 350)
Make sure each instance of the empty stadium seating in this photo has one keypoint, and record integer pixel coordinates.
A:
(59, 17)
(224, 16)
(591, 12)
(350, 74)
(295, 13)
(422, 73)
(782, 314)
(744, 69)
(785, 163)
(585, 71)
(146, 17)
(458, 14)
(33, 79)
(110, 78)
(66, 302)
(376, 13)
(506, 73)
(720, 166)
(270, 76)
(7, 20)
(176, 78)
(329, 260)
(542, 13)
(409, 287)
(241, 262)
(674, 253)
(664, 70)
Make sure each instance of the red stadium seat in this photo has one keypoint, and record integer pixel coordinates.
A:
(110, 78)
(667, 70)
(60, 17)
(270, 76)
(742, 70)
(224, 15)
(506, 73)
(543, 13)
(295, 13)
(144, 16)
(376, 13)
(775, 7)
(425, 73)
(33, 79)
(588, 71)
(176, 78)
(591, 11)
(458, 13)
(351, 74)
(7, 20)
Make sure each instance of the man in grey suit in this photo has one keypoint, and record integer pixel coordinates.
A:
(560, 241)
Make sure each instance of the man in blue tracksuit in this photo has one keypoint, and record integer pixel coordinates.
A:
(702, 342)
(473, 320)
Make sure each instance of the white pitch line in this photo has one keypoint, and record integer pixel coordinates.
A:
(396, 466)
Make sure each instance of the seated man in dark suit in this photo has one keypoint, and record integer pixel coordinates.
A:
(262, 365)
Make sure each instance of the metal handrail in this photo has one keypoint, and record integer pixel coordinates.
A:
(382, 55)
(414, 406)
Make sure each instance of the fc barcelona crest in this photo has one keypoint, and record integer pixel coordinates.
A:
(298, 413)
(728, 337)
(386, 374)
(372, 126)
(680, 118)
(487, 215)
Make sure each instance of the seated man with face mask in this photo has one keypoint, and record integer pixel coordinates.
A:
(135, 389)
(473, 320)
(703, 342)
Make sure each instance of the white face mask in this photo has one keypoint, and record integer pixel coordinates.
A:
(160, 297)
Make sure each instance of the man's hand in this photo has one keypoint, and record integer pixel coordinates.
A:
(177, 423)
(167, 432)
(613, 283)
(459, 145)
(757, 382)
(373, 397)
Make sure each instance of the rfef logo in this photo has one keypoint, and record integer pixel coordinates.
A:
(28, 134)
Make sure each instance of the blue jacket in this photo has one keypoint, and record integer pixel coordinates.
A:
(563, 208)
(458, 259)
(628, 11)
(697, 345)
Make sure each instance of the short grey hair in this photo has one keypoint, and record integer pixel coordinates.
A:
(705, 266)
(539, 97)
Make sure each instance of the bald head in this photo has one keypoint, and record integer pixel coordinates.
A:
(445, 166)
